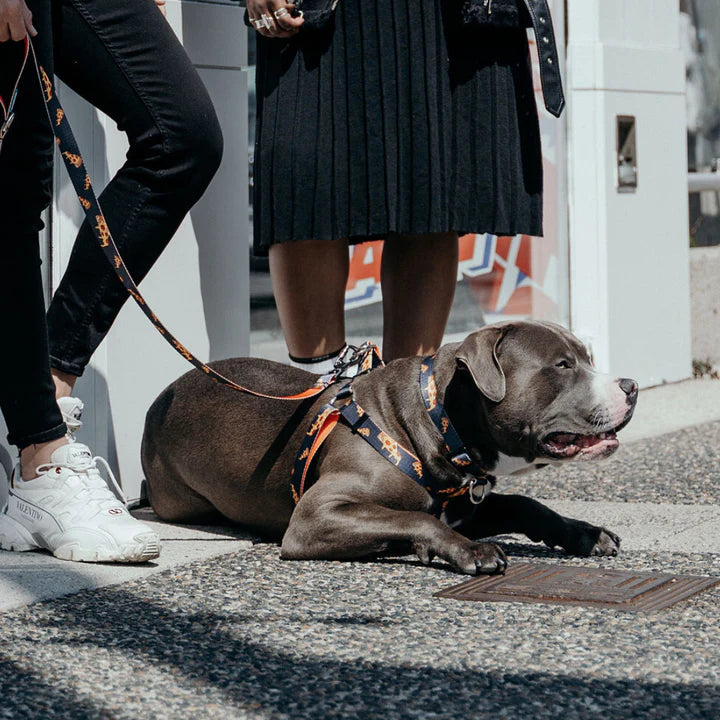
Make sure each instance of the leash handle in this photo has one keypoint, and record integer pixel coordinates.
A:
(80, 179)
(8, 108)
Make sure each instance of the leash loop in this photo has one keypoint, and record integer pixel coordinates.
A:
(8, 114)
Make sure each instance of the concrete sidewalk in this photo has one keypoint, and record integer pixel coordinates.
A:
(233, 632)
(29, 577)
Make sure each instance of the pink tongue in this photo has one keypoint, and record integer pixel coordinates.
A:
(564, 438)
(588, 441)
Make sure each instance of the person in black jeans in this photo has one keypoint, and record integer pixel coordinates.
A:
(122, 56)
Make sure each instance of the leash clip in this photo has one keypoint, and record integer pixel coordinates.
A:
(352, 355)
(484, 490)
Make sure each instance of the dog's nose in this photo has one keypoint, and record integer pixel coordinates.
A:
(629, 387)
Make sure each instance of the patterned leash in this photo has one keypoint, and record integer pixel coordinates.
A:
(80, 179)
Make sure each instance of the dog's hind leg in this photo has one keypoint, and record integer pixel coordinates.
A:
(168, 494)
(500, 514)
(173, 501)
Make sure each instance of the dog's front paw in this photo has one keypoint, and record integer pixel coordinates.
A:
(470, 558)
(608, 543)
(584, 539)
(489, 559)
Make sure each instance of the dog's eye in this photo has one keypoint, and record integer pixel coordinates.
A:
(563, 364)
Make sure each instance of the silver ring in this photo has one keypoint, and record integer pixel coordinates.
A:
(258, 23)
(281, 12)
(267, 21)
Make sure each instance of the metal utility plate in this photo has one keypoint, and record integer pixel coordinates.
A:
(592, 587)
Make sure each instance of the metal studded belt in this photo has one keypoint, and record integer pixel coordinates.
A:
(548, 55)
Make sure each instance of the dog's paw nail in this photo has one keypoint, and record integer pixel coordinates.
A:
(489, 560)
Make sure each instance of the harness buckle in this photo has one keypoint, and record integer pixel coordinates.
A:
(485, 489)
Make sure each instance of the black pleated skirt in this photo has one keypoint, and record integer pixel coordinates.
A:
(396, 118)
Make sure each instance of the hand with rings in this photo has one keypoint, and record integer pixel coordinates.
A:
(274, 18)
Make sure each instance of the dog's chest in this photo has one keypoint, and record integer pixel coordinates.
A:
(510, 465)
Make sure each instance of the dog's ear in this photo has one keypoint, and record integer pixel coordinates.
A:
(478, 354)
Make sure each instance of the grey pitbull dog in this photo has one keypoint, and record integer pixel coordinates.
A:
(521, 395)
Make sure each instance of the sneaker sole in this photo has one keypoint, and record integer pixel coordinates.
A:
(15, 538)
(145, 548)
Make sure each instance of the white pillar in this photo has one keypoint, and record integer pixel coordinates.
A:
(200, 285)
(629, 255)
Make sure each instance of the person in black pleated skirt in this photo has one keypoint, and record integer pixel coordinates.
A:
(393, 121)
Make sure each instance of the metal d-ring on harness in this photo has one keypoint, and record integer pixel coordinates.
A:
(477, 483)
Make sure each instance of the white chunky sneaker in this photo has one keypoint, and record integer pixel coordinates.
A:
(71, 409)
(70, 510)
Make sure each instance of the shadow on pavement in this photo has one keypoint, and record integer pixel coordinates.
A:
(204, 651)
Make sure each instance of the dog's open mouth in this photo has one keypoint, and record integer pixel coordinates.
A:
(563, 445)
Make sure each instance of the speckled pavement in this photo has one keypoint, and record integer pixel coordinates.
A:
(246, 635)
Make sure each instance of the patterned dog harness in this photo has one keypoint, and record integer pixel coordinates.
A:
(476, 483)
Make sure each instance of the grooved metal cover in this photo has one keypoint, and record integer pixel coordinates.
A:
(592, 587)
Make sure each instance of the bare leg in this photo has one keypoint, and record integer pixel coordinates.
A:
(309, 278)
(64, 383)
(34, 455)
(419, 273)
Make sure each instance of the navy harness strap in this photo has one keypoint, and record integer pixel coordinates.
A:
(476, 483)
(457, 453)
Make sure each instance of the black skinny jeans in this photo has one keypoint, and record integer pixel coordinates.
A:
(121, 56)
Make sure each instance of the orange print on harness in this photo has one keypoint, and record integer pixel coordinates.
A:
(315, 427)
(390, 446)
(432, 393)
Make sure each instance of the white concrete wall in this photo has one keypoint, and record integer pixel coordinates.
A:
(629, 252)
(200, 286)
(705, 294)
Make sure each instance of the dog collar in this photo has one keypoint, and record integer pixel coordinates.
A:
(476, 477)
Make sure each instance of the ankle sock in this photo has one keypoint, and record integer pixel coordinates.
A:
(317, 365)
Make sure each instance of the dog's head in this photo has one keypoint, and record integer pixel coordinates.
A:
(542, 399)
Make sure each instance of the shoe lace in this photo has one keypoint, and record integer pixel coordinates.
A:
(92, 484)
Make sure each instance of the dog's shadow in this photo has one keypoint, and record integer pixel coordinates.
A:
(515, 549)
